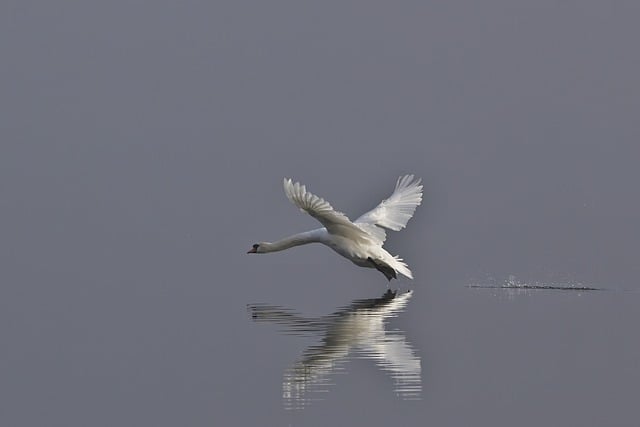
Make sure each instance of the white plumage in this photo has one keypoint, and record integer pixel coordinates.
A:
(359, 241)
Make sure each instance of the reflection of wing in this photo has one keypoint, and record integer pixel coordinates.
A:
(356, 331)
(311, 373)
(396, 356)
(392, 352)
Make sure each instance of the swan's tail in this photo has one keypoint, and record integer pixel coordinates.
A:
(400, 267)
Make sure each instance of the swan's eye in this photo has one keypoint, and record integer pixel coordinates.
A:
(256, 246)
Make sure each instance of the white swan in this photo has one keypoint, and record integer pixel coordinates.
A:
(359, 241)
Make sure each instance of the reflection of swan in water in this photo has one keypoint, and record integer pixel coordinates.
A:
(353, 332)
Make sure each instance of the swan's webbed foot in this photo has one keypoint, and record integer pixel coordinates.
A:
(388, 272)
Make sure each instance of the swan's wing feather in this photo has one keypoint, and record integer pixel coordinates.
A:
(315, 206)
(394, 212)
(334, 221)
(376, 232)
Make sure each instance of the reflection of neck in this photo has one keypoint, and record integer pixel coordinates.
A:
(291, 241)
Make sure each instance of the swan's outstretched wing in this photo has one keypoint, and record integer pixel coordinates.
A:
(394, 213)
(335, 222)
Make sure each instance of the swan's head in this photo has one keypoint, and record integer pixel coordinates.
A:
(256, 249)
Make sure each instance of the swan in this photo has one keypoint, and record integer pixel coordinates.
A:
(359, 241)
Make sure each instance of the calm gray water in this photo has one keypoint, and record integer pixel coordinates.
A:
(142, 151)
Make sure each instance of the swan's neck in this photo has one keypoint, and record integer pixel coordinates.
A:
(291, 241)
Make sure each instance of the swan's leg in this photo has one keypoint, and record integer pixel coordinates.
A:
(388, 272)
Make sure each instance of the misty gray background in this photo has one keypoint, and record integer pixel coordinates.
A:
(142, 150)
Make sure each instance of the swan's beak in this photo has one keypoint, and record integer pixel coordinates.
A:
(252, 251)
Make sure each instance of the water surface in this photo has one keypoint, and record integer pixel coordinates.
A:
(142, 151)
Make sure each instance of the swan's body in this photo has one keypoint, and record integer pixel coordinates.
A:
(359, 241)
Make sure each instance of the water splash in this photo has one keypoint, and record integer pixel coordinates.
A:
(512, 284)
